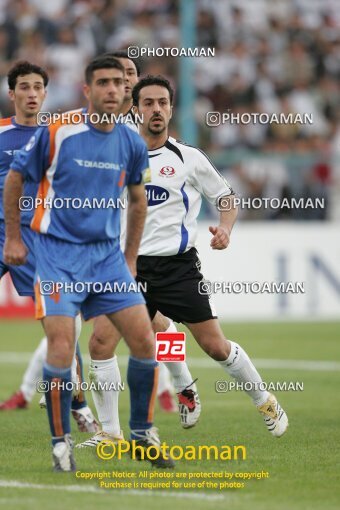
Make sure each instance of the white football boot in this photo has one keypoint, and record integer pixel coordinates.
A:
(274, 416)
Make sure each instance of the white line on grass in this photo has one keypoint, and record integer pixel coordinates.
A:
(8, 484)
(287, 364)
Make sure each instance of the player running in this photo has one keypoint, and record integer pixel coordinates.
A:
(75, 245)
(168, 261)
(27, 90)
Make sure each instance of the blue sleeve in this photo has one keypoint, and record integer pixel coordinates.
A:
(138, 163)
(32, 159)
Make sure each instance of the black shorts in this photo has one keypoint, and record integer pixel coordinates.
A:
(172, 287)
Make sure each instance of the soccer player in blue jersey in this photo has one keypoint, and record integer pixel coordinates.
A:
(27, 90)
(104, 364)
(86, 161)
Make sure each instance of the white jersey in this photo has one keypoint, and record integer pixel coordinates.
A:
(128, 120)
(178, 177)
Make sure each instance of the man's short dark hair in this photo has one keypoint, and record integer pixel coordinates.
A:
(102, 63)
(21, 68)
(151, 80)
(124, 54)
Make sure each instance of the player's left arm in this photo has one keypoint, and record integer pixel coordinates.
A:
(222, 232)
(136, 215)
(209, 181)
(137, 208)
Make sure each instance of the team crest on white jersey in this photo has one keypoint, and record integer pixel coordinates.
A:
(167, 171)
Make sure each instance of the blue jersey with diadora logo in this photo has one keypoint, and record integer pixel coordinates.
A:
(13, 136)
(77, 161)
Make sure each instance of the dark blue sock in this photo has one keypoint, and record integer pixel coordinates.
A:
(79, 401)
(142, 378)
(58, 400)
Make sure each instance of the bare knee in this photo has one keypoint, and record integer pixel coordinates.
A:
(103, 341)
(217, 348)
(144, 347)
(98, 348)
(210, 337)
(60, 350)
(160, 322)
(60, 334)
(135, 326)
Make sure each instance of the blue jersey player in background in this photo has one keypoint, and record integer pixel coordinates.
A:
(27, 84)
(27, 89)
(86, 161)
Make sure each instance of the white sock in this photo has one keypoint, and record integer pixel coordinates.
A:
(78, 324)
(178, 369)
(164, 381)
(74, 376)
(240, 367)
(34, 371)
(106, 402)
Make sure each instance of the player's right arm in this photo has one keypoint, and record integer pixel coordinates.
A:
(15, 250)
(29, 163)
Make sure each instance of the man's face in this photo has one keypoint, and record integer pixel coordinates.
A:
(154, 105)
(105, 93)
(131, 78)
(29, 94)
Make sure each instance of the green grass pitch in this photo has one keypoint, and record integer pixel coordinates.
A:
(303, 465)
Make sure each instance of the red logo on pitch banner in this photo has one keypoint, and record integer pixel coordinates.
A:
(170, 346)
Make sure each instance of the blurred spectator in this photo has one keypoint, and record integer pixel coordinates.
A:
(262, 177)
(271, 56)
(206, 30)
(56, 93)
(68, 59)
(33, 47)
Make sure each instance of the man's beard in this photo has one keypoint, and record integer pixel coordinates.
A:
(156, 131)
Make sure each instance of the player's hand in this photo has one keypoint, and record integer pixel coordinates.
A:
(132, 266)
(15, 252)
(221, 238)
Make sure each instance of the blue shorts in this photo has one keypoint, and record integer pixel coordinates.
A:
(22, 276)
(74, 277)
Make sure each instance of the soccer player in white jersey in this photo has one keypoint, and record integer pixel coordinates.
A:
(168, 259)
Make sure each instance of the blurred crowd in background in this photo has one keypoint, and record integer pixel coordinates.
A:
(271, 56)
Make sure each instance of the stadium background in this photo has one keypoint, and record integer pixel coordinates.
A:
(271, 56)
